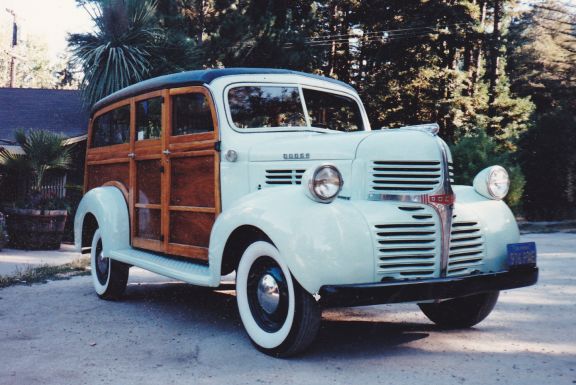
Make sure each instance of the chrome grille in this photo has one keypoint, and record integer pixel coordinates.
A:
(407, 250)
(466, 248)
(283, 177)
(405, 177)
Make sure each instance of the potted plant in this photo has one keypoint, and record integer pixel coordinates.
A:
(37, 220)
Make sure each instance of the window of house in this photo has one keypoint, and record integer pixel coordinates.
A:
(112, 128)
(149, 119)
(191, 114)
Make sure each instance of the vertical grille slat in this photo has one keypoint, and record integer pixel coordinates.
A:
(283, 177)
(404, 176)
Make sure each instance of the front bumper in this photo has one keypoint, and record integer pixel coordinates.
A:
(425, 290)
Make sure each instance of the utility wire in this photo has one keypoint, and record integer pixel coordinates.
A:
(384, 36)
(382, 32)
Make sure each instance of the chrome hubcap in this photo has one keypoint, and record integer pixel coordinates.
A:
(268, 293)
(102, 262)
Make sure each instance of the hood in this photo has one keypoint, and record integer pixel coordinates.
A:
(398, 144)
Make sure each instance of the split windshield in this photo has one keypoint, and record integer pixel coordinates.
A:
(281, 106)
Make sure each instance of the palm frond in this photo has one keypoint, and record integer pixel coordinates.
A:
(118, 53)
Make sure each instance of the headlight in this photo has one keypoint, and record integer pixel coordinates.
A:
(492, 182)
(323, 183)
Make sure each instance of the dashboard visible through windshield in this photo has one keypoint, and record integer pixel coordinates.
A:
(282, 106)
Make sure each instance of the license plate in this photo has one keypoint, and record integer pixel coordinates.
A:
(521, 254)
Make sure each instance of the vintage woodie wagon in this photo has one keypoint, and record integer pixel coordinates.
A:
(276, 175)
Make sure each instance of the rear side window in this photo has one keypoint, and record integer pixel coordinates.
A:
(332, 111)
(112, 128)
(266, 106)
(191, 114)
(149, 119)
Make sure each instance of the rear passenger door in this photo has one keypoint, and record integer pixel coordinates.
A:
(191, 187)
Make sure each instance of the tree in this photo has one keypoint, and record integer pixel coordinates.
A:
(120, 51)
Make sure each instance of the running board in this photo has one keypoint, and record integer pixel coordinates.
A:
(186, 271)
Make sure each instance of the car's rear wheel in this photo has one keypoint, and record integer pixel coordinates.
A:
(109, 277)
(461, 312)
(280, 317)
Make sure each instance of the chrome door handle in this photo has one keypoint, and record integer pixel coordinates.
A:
(166, 152)
(131, 155)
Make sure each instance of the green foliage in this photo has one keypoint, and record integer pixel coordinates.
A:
(471, 154)
(549, 162)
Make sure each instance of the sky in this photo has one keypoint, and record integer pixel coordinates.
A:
(49, 20)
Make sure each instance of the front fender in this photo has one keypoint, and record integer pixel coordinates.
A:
(498, 224)
(109, 207)
(321, 243)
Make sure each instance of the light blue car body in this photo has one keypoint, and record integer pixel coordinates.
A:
(322, 244)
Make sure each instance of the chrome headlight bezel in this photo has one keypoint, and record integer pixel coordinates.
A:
(313, 180)
(492, 182)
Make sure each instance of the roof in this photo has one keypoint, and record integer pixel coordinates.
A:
(59, 111)
(198, 77)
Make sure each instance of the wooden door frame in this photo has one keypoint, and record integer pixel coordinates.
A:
(153, 145)
(190, 145)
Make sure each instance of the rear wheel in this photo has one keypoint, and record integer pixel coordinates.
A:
(280, 317)
(109, 277)
(461, 312)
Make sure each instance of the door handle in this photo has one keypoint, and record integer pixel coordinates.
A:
(131, 155)
(166, 152)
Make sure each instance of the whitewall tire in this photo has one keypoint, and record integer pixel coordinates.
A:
(109, 277)
(280, 317)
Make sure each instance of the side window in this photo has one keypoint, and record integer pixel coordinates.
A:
(191, 114)
(149, 119)
(112, 128)
(335, 112)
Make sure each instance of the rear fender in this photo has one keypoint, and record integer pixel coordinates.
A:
(109, 207)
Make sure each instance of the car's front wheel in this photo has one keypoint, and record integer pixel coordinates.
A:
(280, 317)
(109, 277)
(461, 312)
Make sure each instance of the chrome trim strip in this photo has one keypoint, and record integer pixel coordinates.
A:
(445, 211)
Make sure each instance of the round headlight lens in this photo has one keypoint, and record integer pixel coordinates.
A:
(498, 182)
(326, 183)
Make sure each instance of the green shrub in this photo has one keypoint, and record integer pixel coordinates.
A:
(472, 154)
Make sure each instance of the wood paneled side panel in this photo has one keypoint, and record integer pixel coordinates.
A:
(190, 228)
(99, 174)
(192, 181)
(148, 179)
(148, 223)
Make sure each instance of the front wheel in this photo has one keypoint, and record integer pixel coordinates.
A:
(280, 317)
(109, 277)
(459, 313)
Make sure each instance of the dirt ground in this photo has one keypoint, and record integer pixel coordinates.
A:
(171, 333)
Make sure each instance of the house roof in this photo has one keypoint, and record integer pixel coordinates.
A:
(60, 111)
(198, 77)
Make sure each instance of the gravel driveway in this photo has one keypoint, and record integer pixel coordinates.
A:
(165, 332)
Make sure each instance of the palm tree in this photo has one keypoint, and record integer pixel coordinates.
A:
(120, 51)
(43, 151)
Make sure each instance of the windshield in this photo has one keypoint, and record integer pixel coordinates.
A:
(281, 106)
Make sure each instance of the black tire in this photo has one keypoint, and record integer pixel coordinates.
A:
(460, 313)
(291, 324)
(109, 277)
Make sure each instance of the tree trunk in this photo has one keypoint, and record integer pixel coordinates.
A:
(496, 42)
(479, 46)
